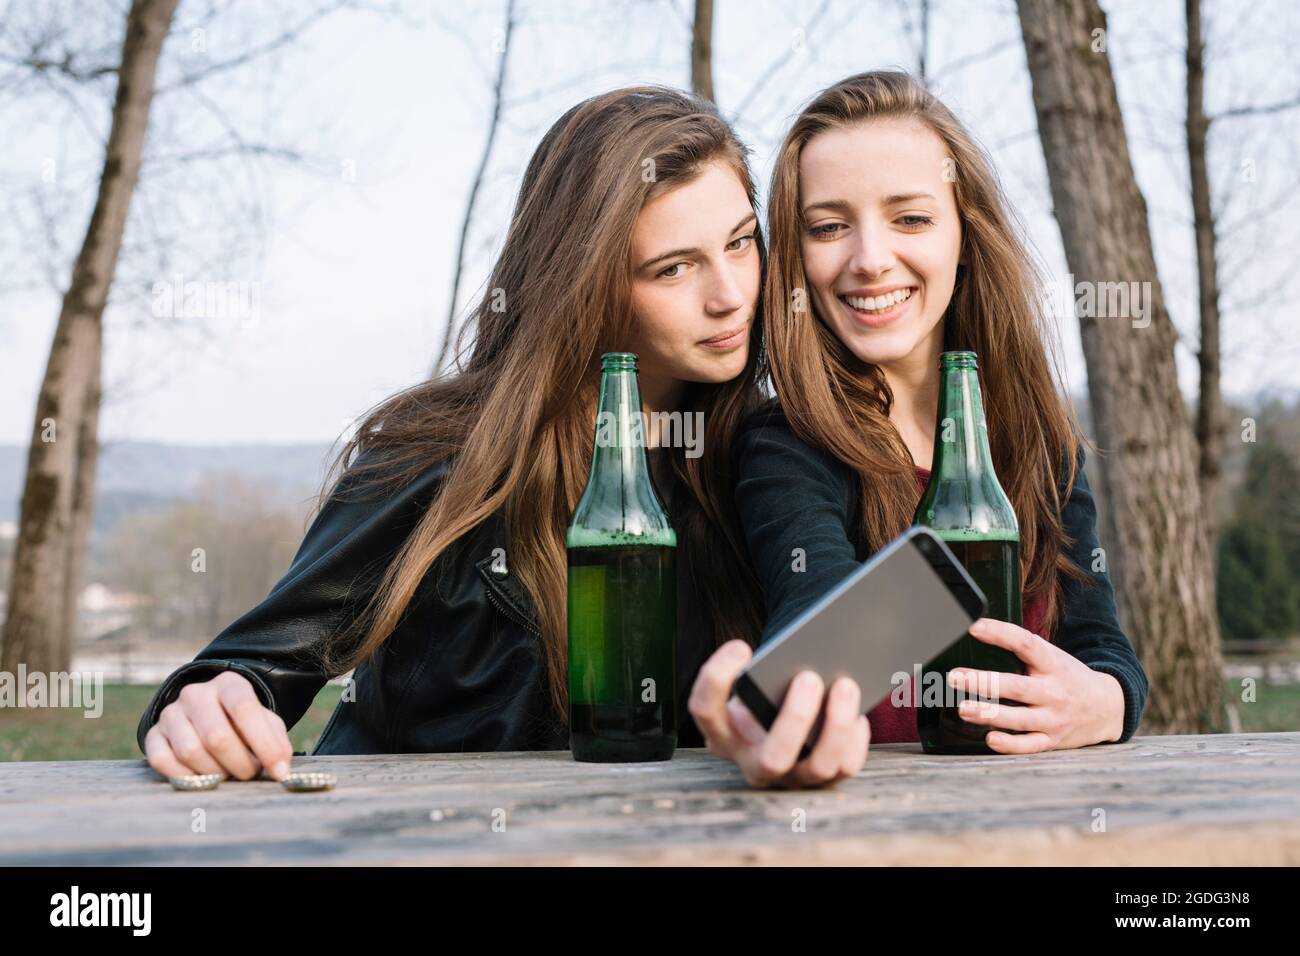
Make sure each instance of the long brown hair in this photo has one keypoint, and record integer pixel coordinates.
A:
(835, 401)
(516, 419)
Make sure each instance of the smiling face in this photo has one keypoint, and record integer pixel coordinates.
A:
(881, 238)
(695, 279)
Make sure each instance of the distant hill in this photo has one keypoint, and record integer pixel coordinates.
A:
(136, 477)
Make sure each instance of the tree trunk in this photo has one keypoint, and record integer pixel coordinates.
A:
(702, 50)
(1209, 414)
(923, 43)
(1155, 530)
(83, 501)
(59, 485)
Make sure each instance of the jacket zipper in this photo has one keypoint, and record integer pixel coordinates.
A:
(505, 606)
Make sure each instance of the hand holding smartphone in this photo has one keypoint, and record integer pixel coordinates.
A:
(903, 607)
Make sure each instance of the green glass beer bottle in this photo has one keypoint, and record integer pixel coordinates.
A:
(965, 506)
(622, 591)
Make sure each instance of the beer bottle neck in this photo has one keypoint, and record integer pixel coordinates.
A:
(961, 439)
(963, 497)
(620, 430)
(620, 495)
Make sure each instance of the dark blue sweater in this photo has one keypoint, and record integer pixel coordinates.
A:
(790, 495)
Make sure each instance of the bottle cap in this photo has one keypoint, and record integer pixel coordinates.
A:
(309, 781)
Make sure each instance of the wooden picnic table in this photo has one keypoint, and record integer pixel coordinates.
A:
(1216, 799)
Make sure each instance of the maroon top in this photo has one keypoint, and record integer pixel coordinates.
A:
(892, 725)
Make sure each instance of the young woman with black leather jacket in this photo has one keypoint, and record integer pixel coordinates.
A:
(435, 570)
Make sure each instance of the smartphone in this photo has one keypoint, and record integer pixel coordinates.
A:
(903, 607)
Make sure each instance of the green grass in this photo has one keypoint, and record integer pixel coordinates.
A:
(1275, 707)
(66, 734)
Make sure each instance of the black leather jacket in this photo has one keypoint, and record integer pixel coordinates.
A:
(463, 670)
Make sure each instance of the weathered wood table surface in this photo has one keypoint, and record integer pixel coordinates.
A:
(1221, 799)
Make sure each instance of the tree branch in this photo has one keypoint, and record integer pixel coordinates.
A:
(497, 96)
(1267, 109)
(775, 66)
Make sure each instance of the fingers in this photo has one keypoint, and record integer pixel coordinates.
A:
(745, 728)
(260, 730)
(219, 738)
(160, 756)
(858, 757)
(708, 700)
(841, 746)
(276, 721)
(1017, 743)
(184, 741)
(999, 685)
(1007, 716)
(219, 726)
(779, 752)
(1026, 645)
(770, 757)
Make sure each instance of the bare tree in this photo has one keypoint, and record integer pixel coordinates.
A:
(922, 29)
(55, 53)
(802, 34)
(60, 479)
(1155, 528)
(1218, 282)
(1209, 413)
(498, 99)
(702, 50)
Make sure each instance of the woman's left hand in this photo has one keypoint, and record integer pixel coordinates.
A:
(1067, 703)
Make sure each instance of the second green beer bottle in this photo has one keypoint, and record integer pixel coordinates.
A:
(965, 506)
(622, 591)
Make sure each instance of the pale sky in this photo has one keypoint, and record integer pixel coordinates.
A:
(353, 288)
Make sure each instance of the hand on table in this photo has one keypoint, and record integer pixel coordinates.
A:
(219, 726)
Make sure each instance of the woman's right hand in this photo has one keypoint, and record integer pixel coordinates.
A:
(219, 726)
(769, 758)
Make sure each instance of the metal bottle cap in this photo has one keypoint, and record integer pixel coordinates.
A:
(308, 781)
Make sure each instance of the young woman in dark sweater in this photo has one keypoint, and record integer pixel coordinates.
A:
(889, 243)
